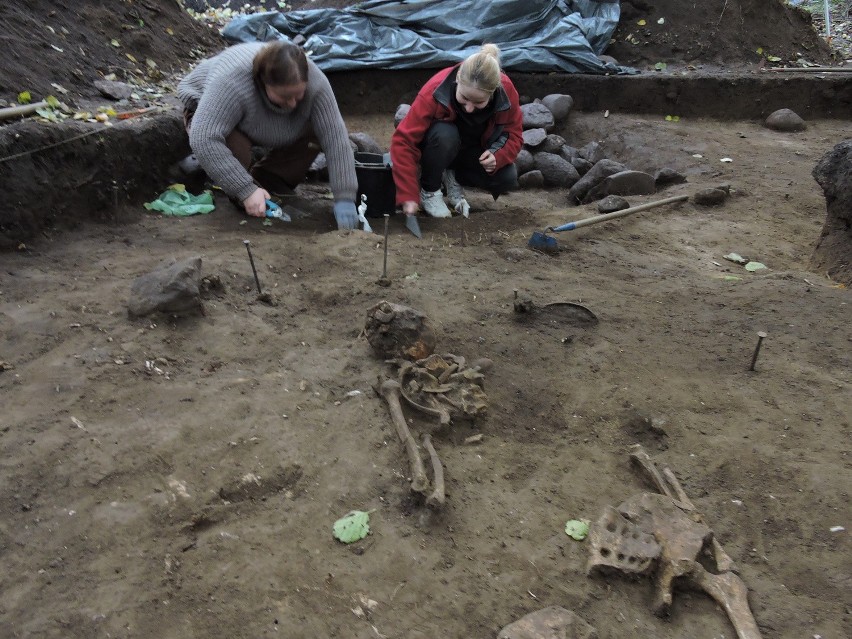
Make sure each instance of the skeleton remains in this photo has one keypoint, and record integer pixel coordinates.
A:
(664, 535)
(442, 387)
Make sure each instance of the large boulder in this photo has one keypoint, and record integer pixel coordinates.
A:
(172, 288)
(590, 180)
(785, 120)
(537, 116)
(559, 104)
(524, 162)
(833, 252)
(623, 183)
(557, 171)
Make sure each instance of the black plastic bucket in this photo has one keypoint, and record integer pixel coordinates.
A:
(375, 180)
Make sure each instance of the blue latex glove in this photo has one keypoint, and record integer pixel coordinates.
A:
(346, 215)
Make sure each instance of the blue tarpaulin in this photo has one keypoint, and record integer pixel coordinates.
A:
(534, 35)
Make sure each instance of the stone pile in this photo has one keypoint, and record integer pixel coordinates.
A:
(548, 161)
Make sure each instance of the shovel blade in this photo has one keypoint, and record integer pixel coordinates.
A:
(413, 225)
(543, 242)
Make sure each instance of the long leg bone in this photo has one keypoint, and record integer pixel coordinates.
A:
(435, 499)
(419, 481)
(732, 594)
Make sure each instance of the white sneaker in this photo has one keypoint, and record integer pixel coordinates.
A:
(433, 204)
(455, 193)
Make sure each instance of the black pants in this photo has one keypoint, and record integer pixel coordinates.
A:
(442, 149)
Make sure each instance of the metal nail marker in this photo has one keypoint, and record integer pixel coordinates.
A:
(760, 336)
(253, 269)
(383, 280)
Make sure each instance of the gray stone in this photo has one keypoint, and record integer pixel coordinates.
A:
(593, 152)
(569, 152)
(596, 174)
(552, 143)
(365, 143)
(401, 112)
(613, 203)
(557, 171)
(710, 197)
(524, 162)
(533, 138)
(554, 622)
(531, 180)
(113, 90)
(582, 165)
(785, 120)
(623, 183)
(559, 104)
(537, 116)
(171, 288)
(666, 176)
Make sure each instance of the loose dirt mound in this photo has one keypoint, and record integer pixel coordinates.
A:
(722, 33)
(47, 43)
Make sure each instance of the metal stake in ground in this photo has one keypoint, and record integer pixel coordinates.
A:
(760, 336)
(383, 280)
(253, 269)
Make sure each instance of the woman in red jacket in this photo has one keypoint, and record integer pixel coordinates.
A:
(464, 127)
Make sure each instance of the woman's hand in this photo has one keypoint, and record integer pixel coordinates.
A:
(255, 204)
(410, 208)
(488, 162)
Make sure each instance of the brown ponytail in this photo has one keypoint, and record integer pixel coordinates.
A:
(280, 64)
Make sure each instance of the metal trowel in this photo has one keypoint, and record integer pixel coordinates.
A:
(413, 225)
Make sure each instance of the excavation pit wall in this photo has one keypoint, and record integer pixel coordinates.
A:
(88, 172)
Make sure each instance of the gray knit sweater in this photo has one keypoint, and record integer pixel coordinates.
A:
(223, 93)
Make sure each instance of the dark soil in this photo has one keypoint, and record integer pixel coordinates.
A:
(719, 33)
(70, 44)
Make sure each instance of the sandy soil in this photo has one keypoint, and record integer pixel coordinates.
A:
(179, 477)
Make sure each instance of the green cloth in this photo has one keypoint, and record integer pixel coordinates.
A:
(182, 203)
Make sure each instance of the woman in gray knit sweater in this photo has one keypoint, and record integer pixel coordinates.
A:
(272, 96)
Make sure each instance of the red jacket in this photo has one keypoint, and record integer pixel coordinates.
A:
(503, 136)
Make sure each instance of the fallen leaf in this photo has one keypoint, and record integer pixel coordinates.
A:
(24, 97)
(577, 529)
(642, 23)
(353, 527)
(115, 43)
